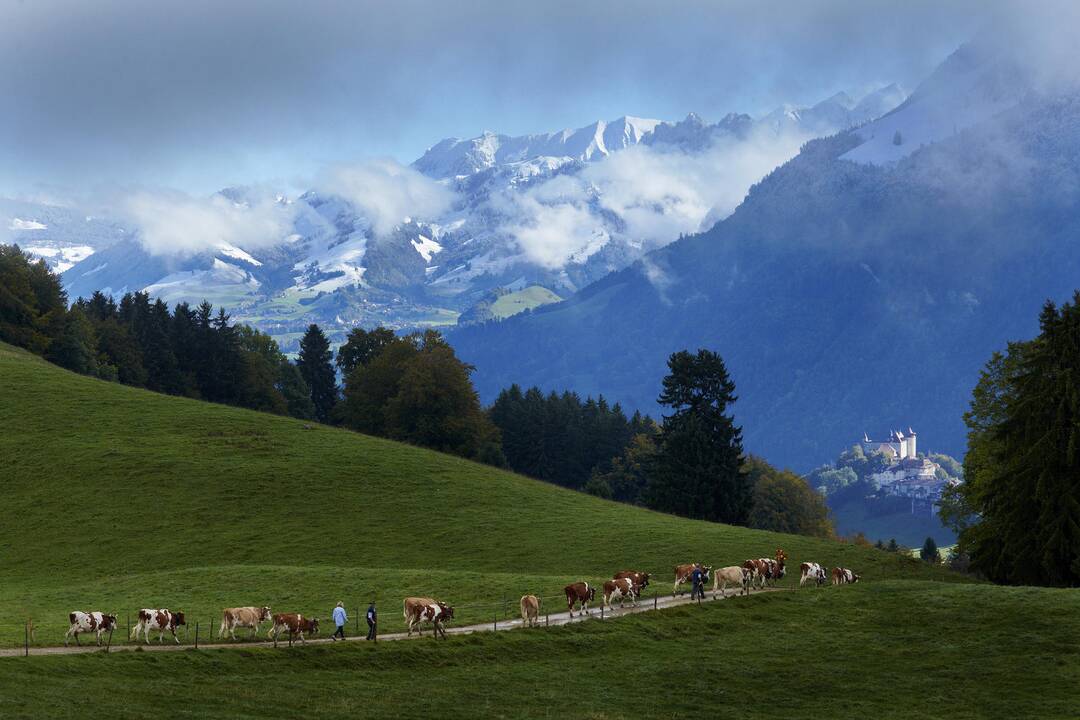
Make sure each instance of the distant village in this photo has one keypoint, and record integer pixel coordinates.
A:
(907, 475)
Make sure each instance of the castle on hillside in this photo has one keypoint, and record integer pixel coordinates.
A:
(898, 447)
(907, 475)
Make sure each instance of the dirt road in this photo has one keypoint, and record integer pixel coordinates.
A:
(561, 618)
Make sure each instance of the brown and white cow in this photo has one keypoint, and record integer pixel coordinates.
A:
(759, 571)
(621, 589)
(579, 592)
(641, 579)
(684, 572)
(735, 575)
(249, 617)
(295, 624)
(420, 610)
(843, 576)
(157, 619)
(812, 572)
(86, 622)
(530, 609)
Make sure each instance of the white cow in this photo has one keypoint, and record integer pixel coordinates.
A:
(739, 577)
(159, 619)
(812, 572)
(84, 622)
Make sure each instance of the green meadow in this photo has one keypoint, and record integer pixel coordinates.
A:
(118, 498)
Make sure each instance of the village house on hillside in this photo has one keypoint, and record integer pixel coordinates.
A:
(908, 474)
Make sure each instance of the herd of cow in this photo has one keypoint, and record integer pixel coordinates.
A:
(625, 585)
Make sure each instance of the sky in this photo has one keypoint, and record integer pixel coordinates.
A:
(197, 95)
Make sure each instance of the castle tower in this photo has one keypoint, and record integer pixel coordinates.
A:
(911, 443)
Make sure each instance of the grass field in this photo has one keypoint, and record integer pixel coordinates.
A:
(525, 299)
(891, 649)
(117, 498)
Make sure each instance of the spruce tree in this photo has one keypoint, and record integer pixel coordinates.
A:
(315, 365)
(929, 552)
(1022, 470)
(696, 472)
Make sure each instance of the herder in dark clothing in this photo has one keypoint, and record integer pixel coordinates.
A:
(372, 619)
(697, 579)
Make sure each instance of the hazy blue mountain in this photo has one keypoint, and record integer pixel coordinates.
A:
(854, 287)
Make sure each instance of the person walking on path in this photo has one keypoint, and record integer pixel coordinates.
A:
(340, 618)
(698, 584)
(372, 618)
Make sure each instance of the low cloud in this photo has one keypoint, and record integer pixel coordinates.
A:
(648, 195)
(386, 192)
(174, 223)
(550, 234)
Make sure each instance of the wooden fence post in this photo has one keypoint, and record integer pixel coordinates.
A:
(26, 641)
(357, 618)
(496, 623)
(108, 643)
(196, 636)
(547, 619)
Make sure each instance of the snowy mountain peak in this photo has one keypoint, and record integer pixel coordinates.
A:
(972, 85)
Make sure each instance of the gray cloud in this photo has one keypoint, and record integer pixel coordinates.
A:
(201, 94)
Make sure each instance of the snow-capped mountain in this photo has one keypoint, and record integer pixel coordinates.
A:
(557, 210)
(59, 234)
(870, 276)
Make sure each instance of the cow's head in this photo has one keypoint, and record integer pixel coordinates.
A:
(315, 626)
(705, 570)
(854, 578)
(447, 611)
(108, 622)
(178, 618)
(264, 613)
(591, 594)
(644, 580)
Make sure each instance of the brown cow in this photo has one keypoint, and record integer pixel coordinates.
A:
(683, 573)
(418, 610)
(843, 576)
(530, 609)
(620, 590)
(157, 619)
(295, 624)
(641, 580)
(579, 592)
(250, 617)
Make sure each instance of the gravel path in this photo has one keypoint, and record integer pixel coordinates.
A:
(561, 618)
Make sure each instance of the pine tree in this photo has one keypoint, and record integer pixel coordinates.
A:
(76, 348)
(929, 552)
(315, 365)
(1022, 469)
(697, 468)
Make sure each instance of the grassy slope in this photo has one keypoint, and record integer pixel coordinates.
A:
(117, 498)
(522, 300)
(892, 649)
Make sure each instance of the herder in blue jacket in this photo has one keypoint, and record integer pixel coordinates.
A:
(340, 618)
